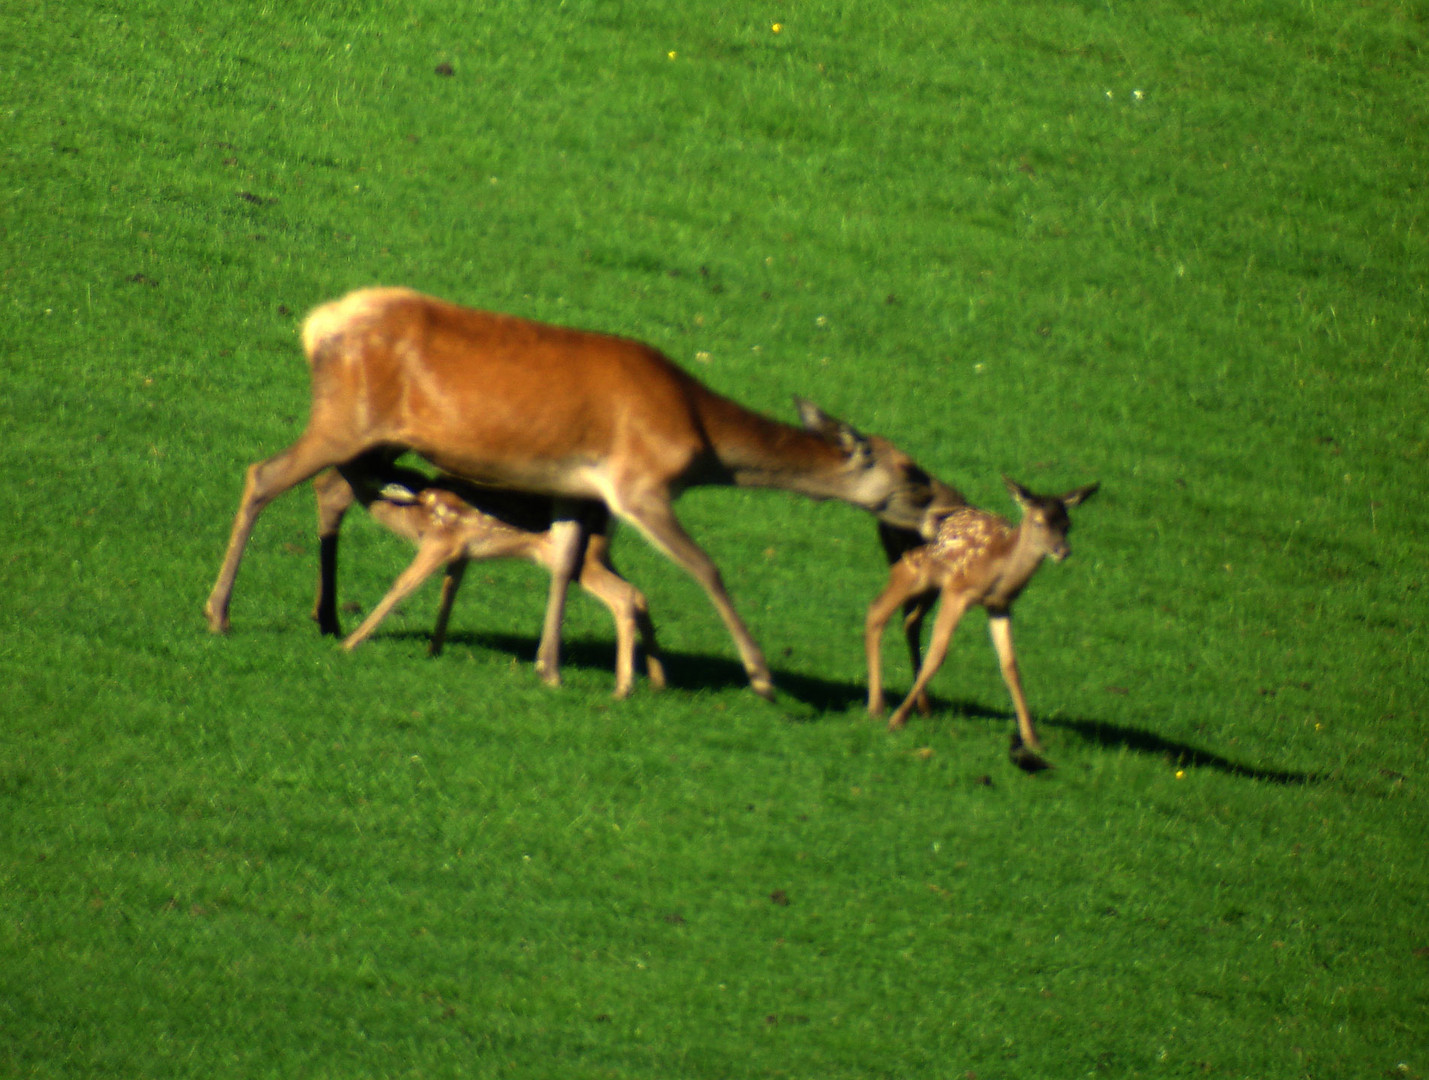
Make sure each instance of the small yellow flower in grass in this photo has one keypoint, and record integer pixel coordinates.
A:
(1180, 774)
(672, 54)
(778, 28)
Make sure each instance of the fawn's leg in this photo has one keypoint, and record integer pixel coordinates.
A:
(432, 554)
(617, 595)
(1000, 627)
(451, 582)
(914, 611)
(879, 612)
(334, 496)
(654, 664)
(949, 613)
(903, 588)
(598, 553)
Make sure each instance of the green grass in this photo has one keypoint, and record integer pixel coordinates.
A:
(1180, 249)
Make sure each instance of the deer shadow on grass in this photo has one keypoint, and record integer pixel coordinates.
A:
(1120, 736)
(683, 670)
(698, 671)
(1113, 736)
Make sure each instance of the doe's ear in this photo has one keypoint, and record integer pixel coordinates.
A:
(846, 437)
(1080, 495)
(813, 418)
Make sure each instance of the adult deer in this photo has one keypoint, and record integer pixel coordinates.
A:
(453, 523)
(974, 558)
(510, 403)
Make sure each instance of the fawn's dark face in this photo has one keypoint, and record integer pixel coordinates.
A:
(1046, 516)
(1053, 521)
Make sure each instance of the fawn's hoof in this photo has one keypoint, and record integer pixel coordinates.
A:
(549, 670)
(1026, 757)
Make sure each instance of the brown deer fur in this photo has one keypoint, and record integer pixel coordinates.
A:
(509, 403)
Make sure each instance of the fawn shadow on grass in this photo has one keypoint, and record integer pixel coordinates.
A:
(1176, 753)
(1112, 736)
(1119, 736)
(695, 671)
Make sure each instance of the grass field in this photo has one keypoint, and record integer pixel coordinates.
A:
(1177, 248)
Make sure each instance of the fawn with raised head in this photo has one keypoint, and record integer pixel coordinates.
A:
(509, 403)
(452, 524)
(971, 558)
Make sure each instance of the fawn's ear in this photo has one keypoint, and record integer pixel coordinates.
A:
(846, 437)
(1024, 497)
(1080, 495)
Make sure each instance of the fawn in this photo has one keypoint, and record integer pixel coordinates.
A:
(971, 558)
(453, 523)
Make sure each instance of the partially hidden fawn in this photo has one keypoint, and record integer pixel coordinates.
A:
(453, 523)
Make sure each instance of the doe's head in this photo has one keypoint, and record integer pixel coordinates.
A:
(886, 481)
